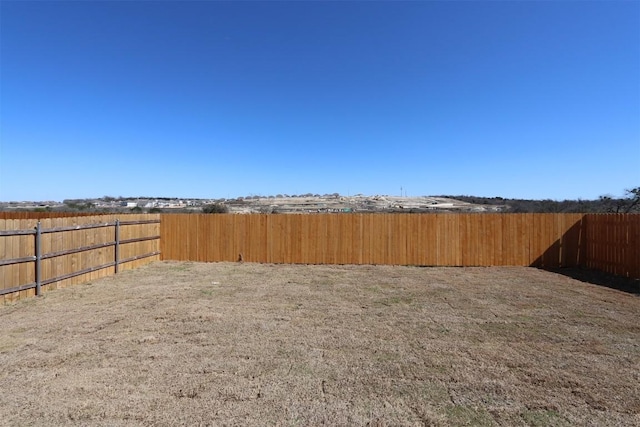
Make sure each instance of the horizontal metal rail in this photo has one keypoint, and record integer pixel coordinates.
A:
(18, 288)
(78, 273)
(77, 227)
(17, 260)
(99, 225)
(137, 257)
(76, 250)
(17, 232)
(144, 221)
(138, 239)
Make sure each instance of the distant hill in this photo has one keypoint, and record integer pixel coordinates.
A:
(334, 203)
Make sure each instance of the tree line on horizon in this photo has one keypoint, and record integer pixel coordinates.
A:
(629, 203)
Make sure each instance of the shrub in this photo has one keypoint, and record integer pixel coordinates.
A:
(215, 208)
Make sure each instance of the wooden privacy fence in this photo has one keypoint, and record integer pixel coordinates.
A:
(57, 252)
(546, 240)
(607, 242)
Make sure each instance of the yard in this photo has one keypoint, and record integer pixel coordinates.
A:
(182, 343)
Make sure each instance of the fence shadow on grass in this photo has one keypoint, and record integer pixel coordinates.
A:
(600, 278)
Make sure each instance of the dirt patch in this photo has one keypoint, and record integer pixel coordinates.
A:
(250, 344)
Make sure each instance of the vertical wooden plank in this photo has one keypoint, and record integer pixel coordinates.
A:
(193, 241)
(498, 234)
(484, 239)
(167, 237)
(302, 227)
(352, 239)
(537, 238)
(393, 240)
(402, 240)
(365, 236)
(81, 242)
(291, 239)
(524, 235)
(102, 255)
(342, 238)
(263, 244)
(427, 244)
(412, 233)
(448, 239)
(509, 240)
(250, 237)
(382, 238)
(227, 230)
(208, 237)
(7, 270)
(440, 233)
(11, 249)
(373, 223)
(457, 222)
(14, 248)
(358, 230)
(295, 237)
(242, 229)
(219, 235)
(454, 240)
(324, 240)
(21, 252)
(275, 236)
(54, 264)
(595, 230)
(284, 239)
(329, 237)
(3, 255)
(634, 245)
(517, 250)
(467, 241)
(618, 245)
(183, 231)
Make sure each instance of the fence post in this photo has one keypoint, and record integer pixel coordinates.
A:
(38, 259)
(117, 247)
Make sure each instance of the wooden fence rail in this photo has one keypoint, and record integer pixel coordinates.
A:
(56, 252)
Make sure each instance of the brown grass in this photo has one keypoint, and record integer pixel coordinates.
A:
(248, 344)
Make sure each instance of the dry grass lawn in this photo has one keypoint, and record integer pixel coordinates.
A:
(248, 344)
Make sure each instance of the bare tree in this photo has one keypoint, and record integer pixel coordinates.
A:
(633, 196)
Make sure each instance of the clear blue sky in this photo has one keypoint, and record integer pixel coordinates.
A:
(537, 99)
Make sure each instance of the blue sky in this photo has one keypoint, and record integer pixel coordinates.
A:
(216, 99)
